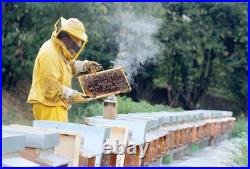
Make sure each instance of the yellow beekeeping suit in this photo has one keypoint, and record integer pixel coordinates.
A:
(53, 70)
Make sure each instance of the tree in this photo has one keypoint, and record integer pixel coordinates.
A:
(25, 30)
(195, 36)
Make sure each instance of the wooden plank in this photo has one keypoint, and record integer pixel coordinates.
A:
(172, 139)
(165, 144)
(153, 154)
(137, 160)
(128, 159)
(158, 147)
(122, 134)
(171, 132)
(105, 161)
(182, 137)
(86, 162)
(113, 158)
(168, 142)
(69, 146)
(133, 160)
(178, 138)
(158, 137)
(109, 160)
(146, 159)
(31, 154)
(189, 135)
(194, 133)
(44, 157)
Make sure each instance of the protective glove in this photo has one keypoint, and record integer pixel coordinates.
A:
(94, 67)
(72, 96)
(68, 92)
(78, 98)
(86, 66)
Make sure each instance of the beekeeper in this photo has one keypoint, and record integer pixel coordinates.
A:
(51, 95)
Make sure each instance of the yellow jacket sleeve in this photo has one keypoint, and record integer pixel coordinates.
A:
(50, 77)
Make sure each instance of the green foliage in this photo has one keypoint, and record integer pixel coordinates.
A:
(241, 126)
(25, 30)
(205, 46)
(240, 131)
(167, 159)
(125, 105)
(79, 111)
(195, 147)
(240, 155)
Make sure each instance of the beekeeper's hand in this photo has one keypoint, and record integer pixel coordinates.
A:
(79, 97)
(73, 96)
(86, 66)
(93, 67)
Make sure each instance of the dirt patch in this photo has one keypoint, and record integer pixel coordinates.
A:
(15, 109)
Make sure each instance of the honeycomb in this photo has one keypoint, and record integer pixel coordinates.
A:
(104, 83)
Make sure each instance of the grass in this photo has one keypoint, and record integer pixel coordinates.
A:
(241, 126)
(125, 105)
(167, 159)
(195, 148)
(240, 155)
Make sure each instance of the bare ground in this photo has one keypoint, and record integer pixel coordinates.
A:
(212, 156)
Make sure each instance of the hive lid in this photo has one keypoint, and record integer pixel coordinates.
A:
(12, 142)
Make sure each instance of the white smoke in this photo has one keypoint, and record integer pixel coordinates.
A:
(137, 44)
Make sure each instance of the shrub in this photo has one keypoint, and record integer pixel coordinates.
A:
(240, 155)
(241, 126)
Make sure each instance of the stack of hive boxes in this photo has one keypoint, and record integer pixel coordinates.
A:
(50, 143)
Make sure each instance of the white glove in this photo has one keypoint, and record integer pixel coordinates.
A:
(87, 66)
(68, 92)
(79, 66)
(72, 96)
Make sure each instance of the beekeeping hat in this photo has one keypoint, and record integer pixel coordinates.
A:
(70, 35)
